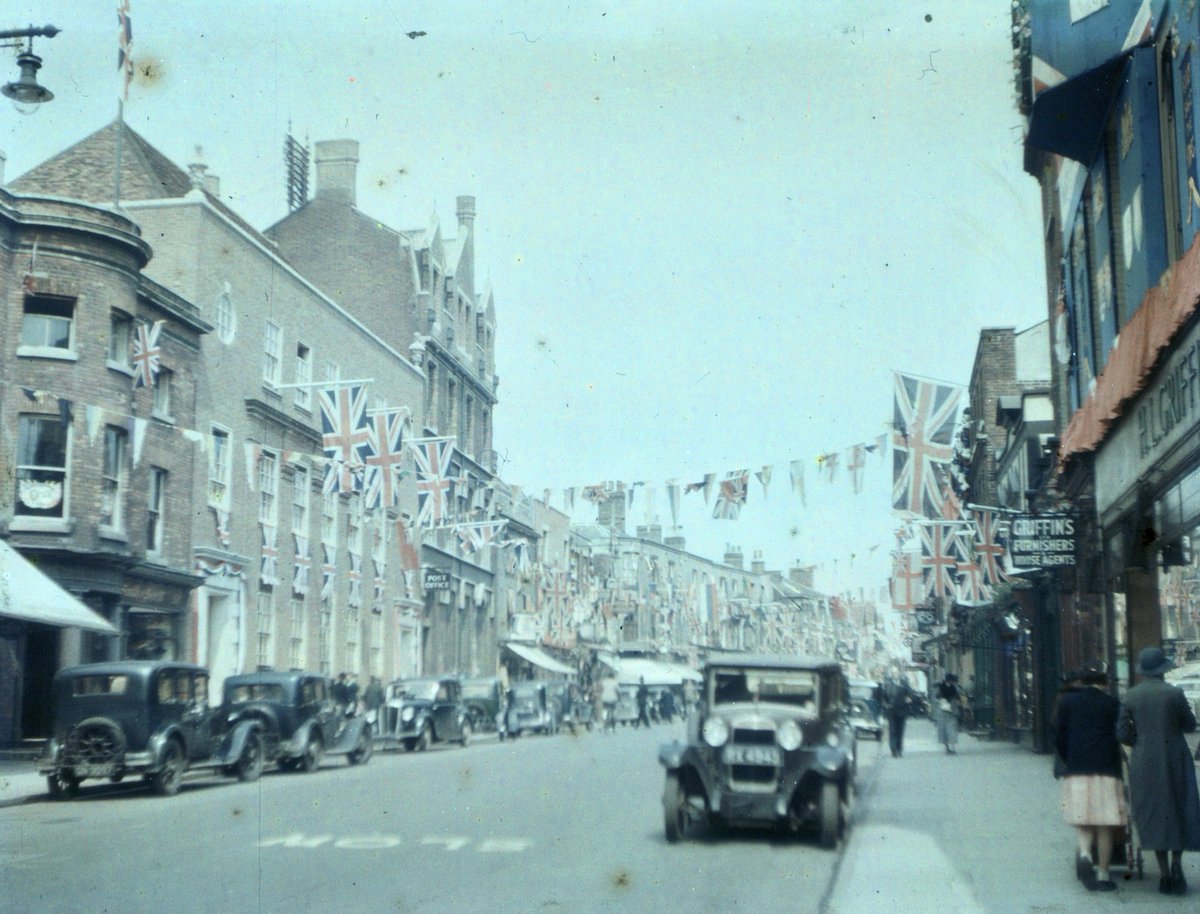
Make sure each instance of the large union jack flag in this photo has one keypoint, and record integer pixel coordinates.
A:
(474, 537)
(300, 565)
(328, 571)
(731, 495)
(939, 557)
(383, 453)
(433, 456)
(926, 414)
(147, 354)
(989, 550)
(346, 440)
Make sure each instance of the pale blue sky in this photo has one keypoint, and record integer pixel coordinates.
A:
(712, 233)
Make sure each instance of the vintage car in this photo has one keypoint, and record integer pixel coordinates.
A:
(770, 746)
(142, 717)
(866, 716)
(484, 698)
(531, 708)
(300, 723)
(627, 707)
(571, 710)
(416, 713)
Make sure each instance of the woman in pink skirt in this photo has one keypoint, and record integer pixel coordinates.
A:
(1093, 795)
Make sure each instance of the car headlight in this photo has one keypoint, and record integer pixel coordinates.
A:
(407, 714)
(789, 736)
(716, 732)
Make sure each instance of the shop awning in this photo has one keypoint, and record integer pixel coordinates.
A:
(539, 657)
(26, 593)
(1069, 118)
(655, 672)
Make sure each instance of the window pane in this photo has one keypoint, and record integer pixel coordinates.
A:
(41, 466)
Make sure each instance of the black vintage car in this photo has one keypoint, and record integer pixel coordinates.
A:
(771, 745)
(416, 713)
(532, 708)
(147, 718)
(484, 698)
(300, 723)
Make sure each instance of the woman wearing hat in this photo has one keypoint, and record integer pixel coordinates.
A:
(1162, 775)
(948, 699)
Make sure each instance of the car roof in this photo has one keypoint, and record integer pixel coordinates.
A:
(773, 662)
(128, 668)
(271, 676)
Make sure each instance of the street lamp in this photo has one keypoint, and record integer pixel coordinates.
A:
(25, 92)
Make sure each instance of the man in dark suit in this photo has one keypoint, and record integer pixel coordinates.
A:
(896, 699)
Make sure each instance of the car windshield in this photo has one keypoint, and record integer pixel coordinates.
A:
(792, 687)
(103, 684)
(254, 691)
(421, 689)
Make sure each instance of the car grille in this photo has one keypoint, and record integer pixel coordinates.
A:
(755, 778)
(744, 737)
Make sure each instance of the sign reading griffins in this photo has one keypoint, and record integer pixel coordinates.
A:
(1042, 541)
(1172, 402)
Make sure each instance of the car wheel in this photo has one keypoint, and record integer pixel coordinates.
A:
(425, 740)
(288, 764)
(62, 786)
(675, 812)
(250, 763)
(831, 815)
(361, 753)
(466, 733)
(313, 753)
(166, 782)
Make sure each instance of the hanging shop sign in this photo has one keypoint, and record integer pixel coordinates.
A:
(1042, 541)
(436, 580)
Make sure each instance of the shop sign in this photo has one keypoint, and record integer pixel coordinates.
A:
(926, 621)
(436, 580)
(1042, 541)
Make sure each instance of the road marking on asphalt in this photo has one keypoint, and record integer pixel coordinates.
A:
(450, 842)
(368, 842)
(296, 840)
(378, 842)
(504, 845)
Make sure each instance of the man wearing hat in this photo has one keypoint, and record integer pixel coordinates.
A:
(948, 698)
(1162, 776)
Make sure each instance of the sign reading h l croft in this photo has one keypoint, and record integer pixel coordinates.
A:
(437, 580)
(1042, 541)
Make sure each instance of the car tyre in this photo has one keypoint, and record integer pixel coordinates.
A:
(166, 781)
(830, 808)
(361, 754)
(62, 785)
(249, 765)
(314, 751)
(675, 811)
(425, 739)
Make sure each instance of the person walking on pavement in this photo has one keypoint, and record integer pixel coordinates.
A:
(895, 705)
(948, 698)
(609, 692)
(373, 698)
(1092, 796)
(1162, 776)
(643, 703)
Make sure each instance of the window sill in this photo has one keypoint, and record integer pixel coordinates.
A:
(41, 524)
(112, 533)
(165, 418)
(47, 352)
(126, 370)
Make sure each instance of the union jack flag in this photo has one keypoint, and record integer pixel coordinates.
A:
(300, 566)
(124, 46)
(923, 427)
(971, 589)
(345, 436)
(858, 460)
(383, 453)
(355, 576)
(520, 560)
(147, 354)
(269, 569)
(731, 495)
(222, 526)
(474, 537)
(989, 551)
(939, 557)
(908, 582)
(328, 571)
(433, 458)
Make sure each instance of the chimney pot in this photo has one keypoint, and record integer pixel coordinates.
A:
(337, 169)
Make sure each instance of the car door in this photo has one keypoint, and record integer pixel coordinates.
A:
(317, 698)
(445, 708)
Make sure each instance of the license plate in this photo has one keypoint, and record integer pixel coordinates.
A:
(95, 771)
(751, 755)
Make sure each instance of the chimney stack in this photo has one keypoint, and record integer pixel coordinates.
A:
(337, 169)
(801, 576)
(733, 556)
(758, 566)
(466, 212)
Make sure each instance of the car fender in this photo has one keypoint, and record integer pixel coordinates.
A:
(670, 755)
(347, 739)
(296, 746)
(832, 761)
(157, 745)
(232, 746)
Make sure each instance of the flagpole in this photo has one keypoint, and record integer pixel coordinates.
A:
(117, 167)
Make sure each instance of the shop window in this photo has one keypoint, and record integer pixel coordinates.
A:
(48, 326)
(42, 478)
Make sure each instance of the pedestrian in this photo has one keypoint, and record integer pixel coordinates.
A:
(895, 704)
(1162, 775)
(609, 693)
(352, 695)
(666, 706)
(643, 703)
(373, 698)
(1092, 795)
(339, 691)
(949, 700)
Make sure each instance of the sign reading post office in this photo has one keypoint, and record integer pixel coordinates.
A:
(437, 580)
(1042, 541)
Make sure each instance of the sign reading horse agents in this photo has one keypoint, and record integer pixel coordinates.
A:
(1042, 541)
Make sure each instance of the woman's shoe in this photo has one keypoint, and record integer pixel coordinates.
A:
(1178, 883)
(1166, 886)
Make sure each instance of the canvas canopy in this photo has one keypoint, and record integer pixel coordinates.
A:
(27, 594)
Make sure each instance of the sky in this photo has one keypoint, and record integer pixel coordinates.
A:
(713, 231)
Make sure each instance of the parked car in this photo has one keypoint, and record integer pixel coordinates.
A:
(420, 712)
(531, 707)
(770, 746)
(627, 706)
(866, 715)
(300, 723)
(147, 718)
(484, 698)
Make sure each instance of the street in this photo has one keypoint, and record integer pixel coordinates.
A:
(540, 823)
